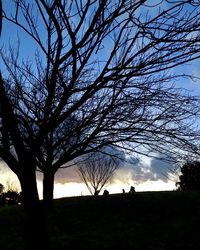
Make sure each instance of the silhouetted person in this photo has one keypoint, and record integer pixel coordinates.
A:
(20, 198)
(123, 191)
(132, 190)
(105, 192)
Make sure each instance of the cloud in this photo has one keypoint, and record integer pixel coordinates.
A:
(8, 178)
(70, 174)
(3, 166)
(161, 169)
(143, 169)
(135, 170)
(65, 175)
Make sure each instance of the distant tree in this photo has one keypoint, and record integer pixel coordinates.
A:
(11, 197)
(190, 176)
(9, 193)
(96, 170)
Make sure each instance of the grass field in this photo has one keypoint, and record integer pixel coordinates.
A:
(146, 220)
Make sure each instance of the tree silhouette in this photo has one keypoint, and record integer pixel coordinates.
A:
(190, 176)
(11, 197)
(96, 170)
(100, 76)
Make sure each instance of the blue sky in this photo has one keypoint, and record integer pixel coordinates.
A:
(11, 35)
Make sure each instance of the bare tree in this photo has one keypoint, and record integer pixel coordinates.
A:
(96, 170)
(100, 76)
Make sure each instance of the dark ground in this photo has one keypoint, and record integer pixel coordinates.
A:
(146, 220)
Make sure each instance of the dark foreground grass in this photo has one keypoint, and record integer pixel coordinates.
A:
(149, 220)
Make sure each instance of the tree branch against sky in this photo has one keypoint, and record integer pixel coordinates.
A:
(138, 47)
(102, 73)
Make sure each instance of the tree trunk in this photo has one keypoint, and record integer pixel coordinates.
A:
(34, 213)
(48, 188)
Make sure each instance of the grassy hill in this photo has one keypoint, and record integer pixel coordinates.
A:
(146, 220)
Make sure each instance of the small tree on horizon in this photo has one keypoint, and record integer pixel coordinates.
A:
(97, 170)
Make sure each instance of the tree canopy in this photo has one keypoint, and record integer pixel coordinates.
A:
(190, 176)
(101, 76)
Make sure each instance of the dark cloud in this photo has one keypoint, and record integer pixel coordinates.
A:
(69, 174)
(142, 169)
(134, 169)
(63, 175)
(161, 169)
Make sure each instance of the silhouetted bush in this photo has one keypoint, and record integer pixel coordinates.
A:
(190, 177)
(10, 198)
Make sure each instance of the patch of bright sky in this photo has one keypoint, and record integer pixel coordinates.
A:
(79, 189)
(192, 68)
(66, 188)
(7, 177)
